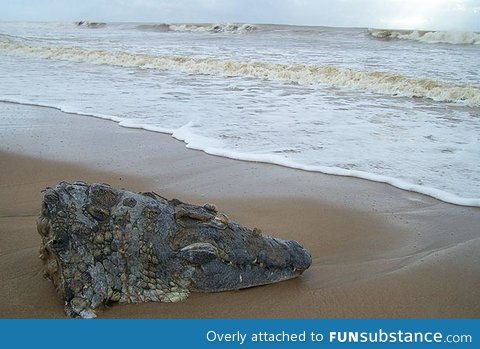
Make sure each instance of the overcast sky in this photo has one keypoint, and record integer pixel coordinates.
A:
(408, 14)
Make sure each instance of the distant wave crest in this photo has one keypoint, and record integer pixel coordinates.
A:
(372, 81)
(91, 25)
(432, 37)
(213, 28)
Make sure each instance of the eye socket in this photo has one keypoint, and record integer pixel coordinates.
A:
(199, 253)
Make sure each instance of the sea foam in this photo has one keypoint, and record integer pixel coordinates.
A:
(212, 28)
(214, 147)
(371, 81)
(432, 37)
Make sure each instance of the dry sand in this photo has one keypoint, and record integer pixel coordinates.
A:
(377, 251)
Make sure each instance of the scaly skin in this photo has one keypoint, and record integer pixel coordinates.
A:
(102, 245)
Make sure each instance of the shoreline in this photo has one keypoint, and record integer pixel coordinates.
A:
(398, 183)
(377, 251)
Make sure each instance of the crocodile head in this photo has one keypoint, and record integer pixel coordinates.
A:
(102, 245)
(217, 254)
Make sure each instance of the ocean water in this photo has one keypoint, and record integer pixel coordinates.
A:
(400, 107)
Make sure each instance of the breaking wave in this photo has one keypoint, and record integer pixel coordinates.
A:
(372, 81)
(432, 37)
(91, 25)
(213, 28)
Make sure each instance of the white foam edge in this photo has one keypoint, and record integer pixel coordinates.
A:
(196, 142)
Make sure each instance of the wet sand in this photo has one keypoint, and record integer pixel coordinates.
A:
(377, 251)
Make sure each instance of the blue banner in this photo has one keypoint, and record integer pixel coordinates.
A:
(216, 334)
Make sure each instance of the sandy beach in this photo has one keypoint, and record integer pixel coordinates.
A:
(378, 251)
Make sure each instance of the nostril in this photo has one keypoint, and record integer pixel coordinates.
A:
(274, 259)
